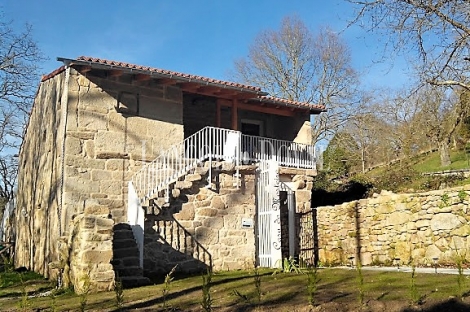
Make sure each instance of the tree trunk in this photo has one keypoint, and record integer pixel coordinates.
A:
(444, 154)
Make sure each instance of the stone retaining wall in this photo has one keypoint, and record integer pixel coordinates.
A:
(414, 228)
(91, 267)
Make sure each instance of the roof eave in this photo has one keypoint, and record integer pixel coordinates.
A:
(71, 62)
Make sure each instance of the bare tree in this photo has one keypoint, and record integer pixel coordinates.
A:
(437, 32)
(19, 59)
(295, 64)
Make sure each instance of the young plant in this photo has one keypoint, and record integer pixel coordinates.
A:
(460, 278)
(23, 304)
(119, 292)
(462, 195)
(288, 265)
(312, 282)
(206, 302)
(360, 282)
(53, 296)
(166, 287)
(414, 296)
(85, 291)
(257, 279)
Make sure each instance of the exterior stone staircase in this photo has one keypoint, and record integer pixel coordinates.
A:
(126, 258)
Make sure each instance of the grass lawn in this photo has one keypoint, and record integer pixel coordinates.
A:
(432, 162)
(337, 290)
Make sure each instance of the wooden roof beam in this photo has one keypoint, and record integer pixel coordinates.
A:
(84, 69)
(261, 109)
(166, 81)
(115, 73)
(142, 77)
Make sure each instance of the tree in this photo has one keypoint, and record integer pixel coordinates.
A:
(437, 32)
(295, 64)
(342, 154)
(19, 59)
(441, 113)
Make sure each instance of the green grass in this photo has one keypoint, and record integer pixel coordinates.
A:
(432, 162)
(282, 291)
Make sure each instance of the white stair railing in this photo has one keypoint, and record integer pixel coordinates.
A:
(209, 143)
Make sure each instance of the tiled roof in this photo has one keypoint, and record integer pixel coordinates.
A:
(277, 100)
(260, 95)
(167, 73)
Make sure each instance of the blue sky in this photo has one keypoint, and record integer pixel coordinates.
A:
(198, 37)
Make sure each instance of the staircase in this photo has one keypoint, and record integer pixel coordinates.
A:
(155, 179)
(126, 260)
(153, 185)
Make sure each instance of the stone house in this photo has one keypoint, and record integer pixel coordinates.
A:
(128, 170)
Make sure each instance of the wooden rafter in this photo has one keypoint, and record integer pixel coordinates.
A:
(115, 73)
(281, 111)
(142, 77)
(166, 81)
(84, 69)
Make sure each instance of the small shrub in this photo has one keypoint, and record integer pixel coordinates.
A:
(312, 282)
(288, 265)
(119, 292)
(360, 282)
(414, 296)
(462, 195)
(445, 200)
(460, 277)
(85, 291)
(166, 287)
(23, 303)
(206, 302)
(257, 280)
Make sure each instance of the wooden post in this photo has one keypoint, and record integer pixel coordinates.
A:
(217, 114)
(235, 114)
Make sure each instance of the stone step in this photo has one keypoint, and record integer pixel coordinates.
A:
(134, 281)
(123, 234)
(125, 262)
(192, 177)
(122, 226)
(126, 252)
(183, 185)
(129, 271)
(124, 243)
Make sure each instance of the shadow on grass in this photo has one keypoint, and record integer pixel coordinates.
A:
(453, 305)
(159, 300)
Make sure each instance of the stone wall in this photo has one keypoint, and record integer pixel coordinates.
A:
(111, 126)
(414, 228)
(90, 241)
(214, 217)
(37, 212)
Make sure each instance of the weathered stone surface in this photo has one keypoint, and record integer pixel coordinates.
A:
(445, 221)
(217, 203)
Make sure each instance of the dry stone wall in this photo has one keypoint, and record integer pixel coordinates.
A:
(112, 127)
(211, 216)
(37, 212)
(409, 228)
(85, 154)
(214, 217)
(90, 241)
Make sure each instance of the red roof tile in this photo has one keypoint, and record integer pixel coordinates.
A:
(167, 72)
(277, 100)
(261, 96)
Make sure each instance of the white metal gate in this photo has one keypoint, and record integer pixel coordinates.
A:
(268, 215)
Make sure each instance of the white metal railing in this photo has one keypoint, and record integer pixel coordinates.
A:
(286, 153)
(207, 144)
(210, 144)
